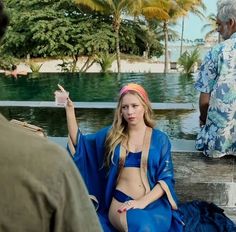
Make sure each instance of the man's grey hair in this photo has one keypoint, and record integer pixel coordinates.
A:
(226, 10)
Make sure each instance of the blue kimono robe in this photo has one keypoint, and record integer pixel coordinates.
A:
(161, 215)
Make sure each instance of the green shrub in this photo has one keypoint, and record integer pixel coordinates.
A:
(35, 67)
(7, 61)
(105, 60)
(188, 59)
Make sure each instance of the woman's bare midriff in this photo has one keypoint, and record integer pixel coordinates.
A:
(131, 184)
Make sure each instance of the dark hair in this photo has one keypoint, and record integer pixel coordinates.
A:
(3, 20)
(13, 67)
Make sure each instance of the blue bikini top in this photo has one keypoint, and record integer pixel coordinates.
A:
(133, 159)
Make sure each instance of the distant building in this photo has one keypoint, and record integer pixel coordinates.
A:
(188, 45)
(199, 41)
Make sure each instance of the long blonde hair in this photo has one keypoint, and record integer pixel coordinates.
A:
(119, 130)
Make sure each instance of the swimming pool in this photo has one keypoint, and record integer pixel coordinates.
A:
(99, 88)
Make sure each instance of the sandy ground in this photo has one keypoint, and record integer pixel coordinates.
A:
(126, 66)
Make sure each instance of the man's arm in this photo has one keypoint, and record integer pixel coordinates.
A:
(203, 107)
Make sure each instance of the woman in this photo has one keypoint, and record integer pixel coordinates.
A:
(127, 167)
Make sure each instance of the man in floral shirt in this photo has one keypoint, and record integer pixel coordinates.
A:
(217, 83)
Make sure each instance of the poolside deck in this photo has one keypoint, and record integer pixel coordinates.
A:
(201, 178)
(95, 105)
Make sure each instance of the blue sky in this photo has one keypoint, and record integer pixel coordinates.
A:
(193, 24)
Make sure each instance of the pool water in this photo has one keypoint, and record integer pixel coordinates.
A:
(99, 87)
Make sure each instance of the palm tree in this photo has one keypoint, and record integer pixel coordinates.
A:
(177, 9)
(155, 9)
(212, 25)
(115, 8)
(193, 7)
(172, 10)
(160, 10)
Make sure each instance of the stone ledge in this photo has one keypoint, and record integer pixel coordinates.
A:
(201, 178)
(178, 145)
(96, 105)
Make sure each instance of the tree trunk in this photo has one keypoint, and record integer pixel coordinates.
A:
(117, 29)
(165, 29)
(87, 64)
(182, 37)
(75, 59)
(148, 51)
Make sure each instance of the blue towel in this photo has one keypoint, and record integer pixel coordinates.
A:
(201, 216)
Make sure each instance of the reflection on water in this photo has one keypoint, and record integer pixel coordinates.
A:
(177, 124)
(97, 87)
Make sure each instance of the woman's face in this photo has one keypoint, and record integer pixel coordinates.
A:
(132, 109)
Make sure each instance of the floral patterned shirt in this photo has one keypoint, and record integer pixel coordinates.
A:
(217, 76)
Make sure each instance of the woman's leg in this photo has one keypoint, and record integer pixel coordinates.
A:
(118, 220)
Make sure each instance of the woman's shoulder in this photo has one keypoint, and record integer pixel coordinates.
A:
(98, 135)
(104, 130)
(160, 135)
(159, 132)
(102, 133)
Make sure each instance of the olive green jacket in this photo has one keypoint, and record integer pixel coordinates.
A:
(40, 187)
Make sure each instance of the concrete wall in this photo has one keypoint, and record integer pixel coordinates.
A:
(201, 178)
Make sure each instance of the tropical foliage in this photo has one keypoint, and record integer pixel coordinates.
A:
(60, 28)
(149, 9)
(7, 61)
(35, 67)
(114, 8)
(211, 26)
(194, 7)
(148, 37)
(69, 29)
(105, 60)
(177, 9)
(168, 11)
(188, 60)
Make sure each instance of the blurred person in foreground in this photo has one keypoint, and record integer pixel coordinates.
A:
(217, 85)
(41, 189)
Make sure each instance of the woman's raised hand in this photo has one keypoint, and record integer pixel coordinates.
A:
(61, 88)
(69, 103)
(70, 116)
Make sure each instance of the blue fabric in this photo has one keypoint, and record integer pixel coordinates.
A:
(198, 216)
(201, 216)
(148, 219)
(138, 218)
(133, 159)
(101, 183)
(104, 220)
(121, 197)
